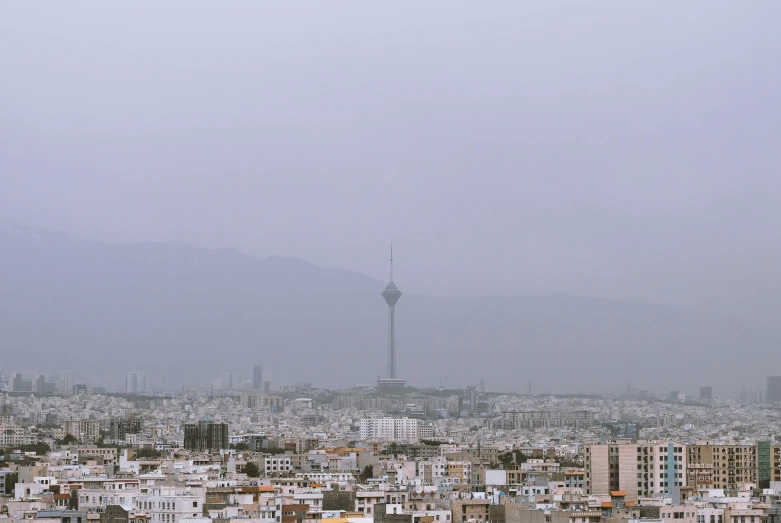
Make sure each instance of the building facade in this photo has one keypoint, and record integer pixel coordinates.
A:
(639, 469)
(389, 429)
(206, 436)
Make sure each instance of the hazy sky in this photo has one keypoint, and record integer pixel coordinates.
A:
(615, 149)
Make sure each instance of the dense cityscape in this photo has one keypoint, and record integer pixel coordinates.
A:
(242, 450)
(390, 262)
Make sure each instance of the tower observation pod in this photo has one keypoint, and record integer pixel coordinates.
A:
(391, 295)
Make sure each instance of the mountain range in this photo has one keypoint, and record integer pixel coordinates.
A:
(186, 314)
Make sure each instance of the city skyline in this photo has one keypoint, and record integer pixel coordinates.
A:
(197, 199)
(342, 314)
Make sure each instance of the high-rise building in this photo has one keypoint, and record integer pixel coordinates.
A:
(121, 427)
(135, 382)
(642, 469)
(773, 389)
(231, 380)
(389, 429)
(67, 381)
(84, 430)
(391, 294)
(206, 436)
(266, 386)
(706, 393)
(714, 466)
(19, 384)
(257, 378)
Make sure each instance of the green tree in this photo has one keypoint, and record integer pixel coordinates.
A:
(39, 448)
(10, 482)
(148, 452)
(368, 472)
(506, 459)
(520, 457)
(241, 446)
(69, 439)
(251, 469)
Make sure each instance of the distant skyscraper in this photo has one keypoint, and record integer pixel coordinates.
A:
(135, 382)
(773, 389)
(391, 295)
(67, 381)
(19, 384)
(706, 393)
(257, 378)
(231, 380)
(266, 385)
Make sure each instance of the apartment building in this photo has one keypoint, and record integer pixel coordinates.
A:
(722, 466)
(166, 505)
(12, 435)
(107, 454)
(389, 429)
(365, 500)
(459, 472)
(135, 382)
(84, 430)
(432, 472)
(639, 469)
(470, 510)
(206, 435)
(277, 465)
(768, 463)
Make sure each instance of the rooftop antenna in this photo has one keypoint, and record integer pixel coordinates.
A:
(391, 263)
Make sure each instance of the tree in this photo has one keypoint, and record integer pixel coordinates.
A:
(241, 446)
(69, 439)
(520, 457)
(368, 472)
(10, 482)
(39, 448)
(148, 452)
(251, 469)
(506, 459)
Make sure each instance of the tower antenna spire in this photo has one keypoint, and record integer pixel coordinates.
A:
(391, 263)
(391, 294)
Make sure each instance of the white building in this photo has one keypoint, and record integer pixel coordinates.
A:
(277, 465)
(389, 429)
(135, 382)
(166, 505)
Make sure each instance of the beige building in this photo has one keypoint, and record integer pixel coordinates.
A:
(12, 435)
(721, 466)
(470, 510)
(84, 430)
(107, 454)
(639, 469)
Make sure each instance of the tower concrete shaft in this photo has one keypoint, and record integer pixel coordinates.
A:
(391, 295)
(391, 341)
